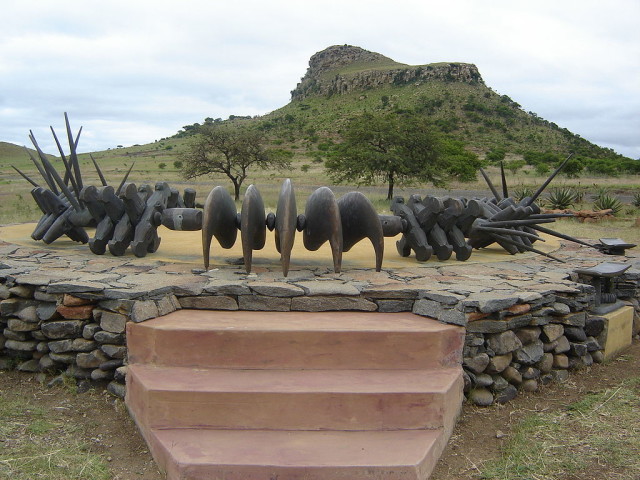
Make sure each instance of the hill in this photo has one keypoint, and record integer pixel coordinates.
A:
(342, 81)
(12, 154)
(345, 80)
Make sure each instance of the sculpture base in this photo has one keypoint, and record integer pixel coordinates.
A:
(617, 334)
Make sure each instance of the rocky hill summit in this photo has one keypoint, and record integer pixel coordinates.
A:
(342, 69)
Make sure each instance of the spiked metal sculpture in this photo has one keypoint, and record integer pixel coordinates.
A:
(122, 216)
(128, 217)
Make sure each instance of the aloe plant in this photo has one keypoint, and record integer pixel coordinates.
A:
(561, 198)
(604, 201)
(522, 192)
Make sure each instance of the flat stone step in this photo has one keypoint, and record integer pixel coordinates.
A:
(295, 340)
(161, 396)
(189, 454)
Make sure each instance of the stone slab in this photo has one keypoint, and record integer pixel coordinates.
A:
(617, 334)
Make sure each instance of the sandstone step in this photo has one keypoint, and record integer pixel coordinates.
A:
(161, 396)
(189, 454)
(295, 340)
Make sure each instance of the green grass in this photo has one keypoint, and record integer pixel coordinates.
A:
(624, 228)
(37, 443)
(600, 432)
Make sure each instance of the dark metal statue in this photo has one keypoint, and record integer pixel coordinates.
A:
(129, 216)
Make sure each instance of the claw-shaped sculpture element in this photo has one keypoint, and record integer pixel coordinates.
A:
(322, 223)
(253, 228)
(218, 220)
(413, 238)
(360, 220)
(145, 238)
(285, 224)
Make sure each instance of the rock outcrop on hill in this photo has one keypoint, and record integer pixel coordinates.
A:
(342, 69)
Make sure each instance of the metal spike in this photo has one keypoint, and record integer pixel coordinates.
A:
(508, 231)
(38, 166)
(124, 180)
(73, 156)
(68, 174)
(25, 177)
(491, 187)
(95, 164)
(561, 235)
(526, 247)
(547, 182)
(550, 215)
(505, 189)
(520, 223)
(43, 170)
(54, 174)
(78, 137)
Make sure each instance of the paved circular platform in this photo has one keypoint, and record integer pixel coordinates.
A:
(186, 248)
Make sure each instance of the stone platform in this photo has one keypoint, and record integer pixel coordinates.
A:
(491, 294)
(528, 320)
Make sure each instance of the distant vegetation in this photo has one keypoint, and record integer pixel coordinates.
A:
(485, 122)
(398, 149)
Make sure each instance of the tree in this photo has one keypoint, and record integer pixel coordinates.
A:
(232, 151)
(399, 150)
(573, 168)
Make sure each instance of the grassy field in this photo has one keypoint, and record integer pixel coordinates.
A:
(598, 433)
(37, 442)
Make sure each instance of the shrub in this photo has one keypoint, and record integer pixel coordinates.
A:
(514, 165)
(522, 192)
(636, 199)
(496, 154)
(542, 168)
(579, 194)
(606, 201)
(561, 198)
(304, 168)
(177, 164)
(162, 165)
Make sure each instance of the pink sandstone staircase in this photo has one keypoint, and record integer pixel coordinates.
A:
(265, 395)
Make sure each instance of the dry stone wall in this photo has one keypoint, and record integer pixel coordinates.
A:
(527, 322)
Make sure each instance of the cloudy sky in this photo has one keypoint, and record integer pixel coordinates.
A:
(138, 70)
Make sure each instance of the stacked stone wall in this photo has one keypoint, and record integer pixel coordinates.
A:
(527, 322)
(62, 333)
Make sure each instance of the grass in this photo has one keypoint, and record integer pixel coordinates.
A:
(624, 228)
(600, 432)
(37, 443)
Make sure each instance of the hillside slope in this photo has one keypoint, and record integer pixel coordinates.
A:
(345, 80)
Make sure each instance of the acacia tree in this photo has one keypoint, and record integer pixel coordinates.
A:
(231, 151)
(399, 149)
